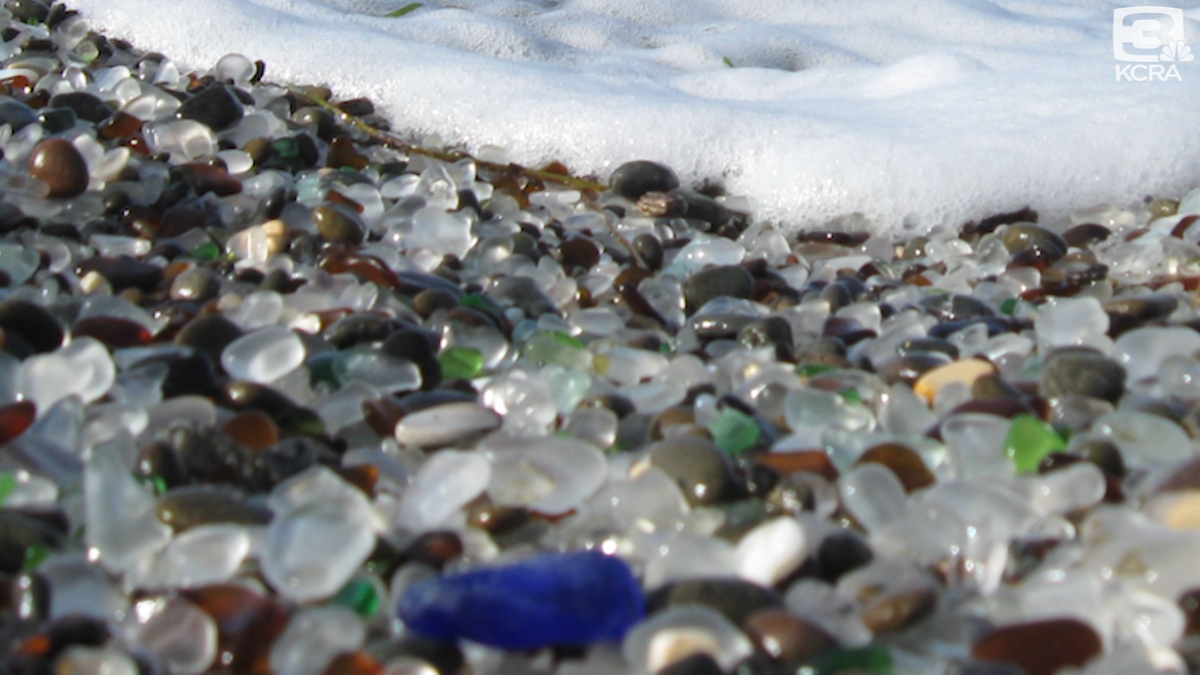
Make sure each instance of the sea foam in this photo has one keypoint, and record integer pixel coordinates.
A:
(913, 114)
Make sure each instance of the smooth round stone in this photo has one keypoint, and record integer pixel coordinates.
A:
(123, 272)
(247, 624)
(28, 10)
(263, 355)
(899, 610)
(1082, 372)
(431, 300)
(634, 179)
(696, 464)
(209, 335)
(964, 372)
(445, 483)
(313, 550)
(253, 429)
(1143, 438)
(681, 632)
(192, 506)
(419, 347)
(649, 249)
(771, 551)
(580, 252)
(39, 330)
(902, 461)
(1040, 647)
(16, 114)
(840, 553)
(702, 207)
(198, 283)
(732, 281)
(86, 106)
(57, 163)
(1086, 234)
(735, 599)
(215, 106)
(1071, 322)
(548, 599)
(1021, 237)
(1127, 313)
(447, 424)
(1142, 351)
(551, 475)
(182, 636)
(786, 637)
(339, 224)
(355, 329)
(873, 495)
(15, 418)
(313, 637)
(84, 367)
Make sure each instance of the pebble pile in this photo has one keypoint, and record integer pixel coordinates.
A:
(278, 397)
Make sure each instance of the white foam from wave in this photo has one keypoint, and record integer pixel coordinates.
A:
(914, 114)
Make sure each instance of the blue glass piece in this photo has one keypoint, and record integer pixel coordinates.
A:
(549, 599)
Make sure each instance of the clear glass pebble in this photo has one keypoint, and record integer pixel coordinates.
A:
(314, 636)
(263, 355)
(873, 494)
(184, 140)
(445, 483)
(771, 551)
(313, 550)
(178, 633)
(83, 368)
(550, 475)
(679, 632)
(120, 519)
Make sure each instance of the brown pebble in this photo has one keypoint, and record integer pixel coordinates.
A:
(1040, 647)
(811, 461)
(435, 548)
(1081, 236)
(580, 252)
(15, 418)
(353, 663)
(60, 166)
(902, 461)
(112, 331)
(252, 429)
(247, 625)
(896, 611)
(343, 153)
(786, 637)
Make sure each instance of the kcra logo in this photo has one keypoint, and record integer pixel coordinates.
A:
(1151, 41)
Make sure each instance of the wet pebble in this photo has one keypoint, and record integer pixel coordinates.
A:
(732, 281)
(634, 179)
(59, 165)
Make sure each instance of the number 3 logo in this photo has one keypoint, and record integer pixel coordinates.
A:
(1139, 33)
